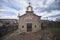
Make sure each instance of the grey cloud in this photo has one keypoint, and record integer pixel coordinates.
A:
(54, 6)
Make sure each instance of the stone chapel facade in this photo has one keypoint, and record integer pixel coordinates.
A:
(29, 22)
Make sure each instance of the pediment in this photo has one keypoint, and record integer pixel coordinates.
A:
(30, 15)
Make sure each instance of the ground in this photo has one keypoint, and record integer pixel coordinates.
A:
(40, 35)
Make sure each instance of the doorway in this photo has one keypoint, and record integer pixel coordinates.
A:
(29, 27)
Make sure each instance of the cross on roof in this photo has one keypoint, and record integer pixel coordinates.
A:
(29, 3)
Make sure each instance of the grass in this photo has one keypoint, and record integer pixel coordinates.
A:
(53, 28)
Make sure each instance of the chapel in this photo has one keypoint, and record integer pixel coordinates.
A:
(29, 22)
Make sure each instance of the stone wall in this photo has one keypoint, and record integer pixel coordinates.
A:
(29, 18)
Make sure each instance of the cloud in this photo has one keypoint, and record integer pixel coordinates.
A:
(8, 12)
(48, 5)
(44, 8)
(51, 15)
(9, 17)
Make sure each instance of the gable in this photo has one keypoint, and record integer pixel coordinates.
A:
(30, 15)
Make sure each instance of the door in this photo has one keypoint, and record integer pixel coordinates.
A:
(29, 27)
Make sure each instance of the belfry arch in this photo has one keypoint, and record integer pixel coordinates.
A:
(29, 8)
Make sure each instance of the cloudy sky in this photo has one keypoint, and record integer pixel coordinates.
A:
(46, 8)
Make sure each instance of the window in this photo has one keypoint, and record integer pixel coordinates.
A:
(35, 26)
(22, 26)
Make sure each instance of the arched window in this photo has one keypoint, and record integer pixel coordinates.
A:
(29, 9)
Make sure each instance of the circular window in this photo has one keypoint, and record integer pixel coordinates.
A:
(35, 26)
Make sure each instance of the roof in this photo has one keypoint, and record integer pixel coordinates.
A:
(29, 12)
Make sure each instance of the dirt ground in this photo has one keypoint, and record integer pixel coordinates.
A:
(40, 35)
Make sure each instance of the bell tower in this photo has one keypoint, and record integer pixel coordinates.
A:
(29, 9)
